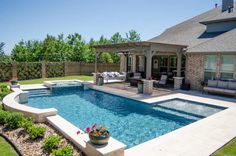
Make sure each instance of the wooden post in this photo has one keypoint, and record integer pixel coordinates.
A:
(44, 75)
(96, 61)
(148, 55)
(133, 63)
(66, 68)
(14, 70)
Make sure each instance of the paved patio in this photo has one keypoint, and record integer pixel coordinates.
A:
(125, 87)
(126, 90)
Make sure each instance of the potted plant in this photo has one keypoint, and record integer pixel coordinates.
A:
(14, 81)
(203, 83)
(98, 135)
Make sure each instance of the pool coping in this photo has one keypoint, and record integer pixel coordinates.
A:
(215, 130)
(10, 103)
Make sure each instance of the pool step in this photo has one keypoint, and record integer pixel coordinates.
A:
(39, 92)
(178, 112)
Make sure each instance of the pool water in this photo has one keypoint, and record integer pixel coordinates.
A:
(131, 122)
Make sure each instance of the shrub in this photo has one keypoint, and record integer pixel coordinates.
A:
(51, 142)
(3, 116)
(4, 91)
(64, 151)
(36, 131)
(13, 120)
(26, 123)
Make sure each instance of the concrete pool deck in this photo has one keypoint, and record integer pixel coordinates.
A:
(199, 138)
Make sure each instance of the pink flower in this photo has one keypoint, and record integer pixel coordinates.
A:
(88, 129)
(94, 126)
(78, 132)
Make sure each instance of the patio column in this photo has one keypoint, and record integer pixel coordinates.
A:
(134, 63)
(179, 64)
(123, 63)
(148, 55)
(178, 80)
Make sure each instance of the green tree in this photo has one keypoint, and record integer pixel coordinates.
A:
(79, 47)
(117, 38)
(3, 56)
(90, 56)
(69, 48)
(105, 57)
(133, 36)
(1, 48)
(20, 52)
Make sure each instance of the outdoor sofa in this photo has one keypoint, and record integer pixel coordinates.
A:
(221, 87)
(114, 76)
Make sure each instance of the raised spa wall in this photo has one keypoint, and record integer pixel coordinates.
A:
(12, 101)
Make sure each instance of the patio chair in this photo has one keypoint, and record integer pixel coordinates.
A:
(161, 82)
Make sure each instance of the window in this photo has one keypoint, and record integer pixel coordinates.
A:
(163, 63)
(227, 67)
(129, 64)
(173, 63)
(210, 67)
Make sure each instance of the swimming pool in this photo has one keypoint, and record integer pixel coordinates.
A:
(131, 122)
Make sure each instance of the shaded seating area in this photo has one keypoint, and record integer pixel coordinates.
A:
(221, 87)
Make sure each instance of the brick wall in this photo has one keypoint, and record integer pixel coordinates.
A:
(195, 70)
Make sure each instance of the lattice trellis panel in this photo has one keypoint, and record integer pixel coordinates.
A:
(55, 69)
(5, 72)
(29, 70)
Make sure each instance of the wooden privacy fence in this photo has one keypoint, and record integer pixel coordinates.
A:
(35, 70)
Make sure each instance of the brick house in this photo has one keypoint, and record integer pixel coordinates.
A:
(199, 49)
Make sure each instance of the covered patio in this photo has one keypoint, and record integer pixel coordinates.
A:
(149, 59)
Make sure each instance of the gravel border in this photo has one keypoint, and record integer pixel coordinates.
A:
(25, 146)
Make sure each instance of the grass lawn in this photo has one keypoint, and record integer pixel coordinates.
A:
(38, 81)
(227, 150)
(6, 149)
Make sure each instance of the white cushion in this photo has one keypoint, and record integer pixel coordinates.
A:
(212, 83)
(232, 85)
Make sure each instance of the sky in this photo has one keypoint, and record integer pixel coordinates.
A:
(34, 19)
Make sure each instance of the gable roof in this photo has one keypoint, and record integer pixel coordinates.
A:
(225, 42)
(192, 32)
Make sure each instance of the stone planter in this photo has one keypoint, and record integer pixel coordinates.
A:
(147, 86)
(99, 140)
(15, 86)
(178, 81)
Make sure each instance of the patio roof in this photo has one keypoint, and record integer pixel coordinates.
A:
(139, 46)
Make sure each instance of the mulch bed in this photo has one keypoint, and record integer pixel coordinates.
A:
(29, 147)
